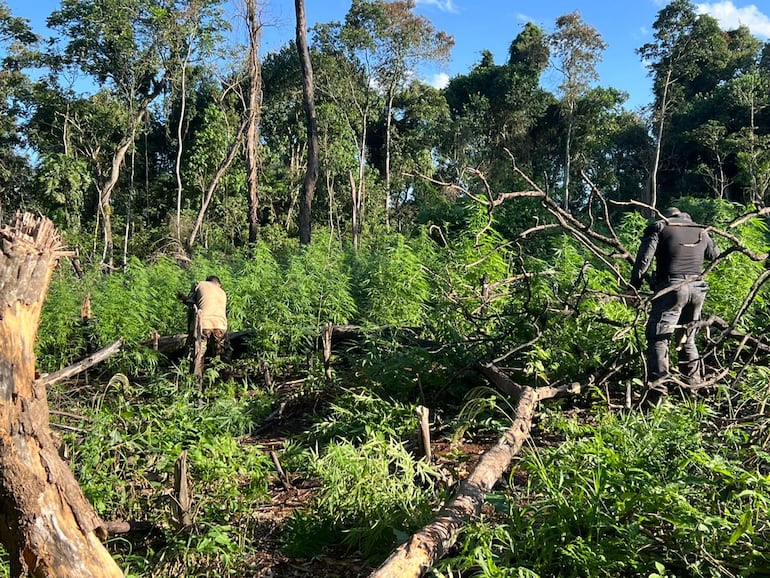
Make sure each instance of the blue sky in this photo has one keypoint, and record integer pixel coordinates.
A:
(478, 25)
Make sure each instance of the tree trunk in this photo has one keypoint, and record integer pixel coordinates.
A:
(212, 187)
(308, 97)
(652, 199)
(254, 113)
(388, 139)
(416, 556)
(105, 191)
(355, 221)
(180, 140)
(46, 524)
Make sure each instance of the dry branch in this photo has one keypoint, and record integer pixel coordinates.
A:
(418, 554)
(82, 365)
(182, 496)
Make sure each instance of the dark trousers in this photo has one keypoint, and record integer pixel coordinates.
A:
(678, 303)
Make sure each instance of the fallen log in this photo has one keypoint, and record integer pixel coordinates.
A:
(115, 527)
(418, 554)
(66, 372)
(47, 526)
(176, 344)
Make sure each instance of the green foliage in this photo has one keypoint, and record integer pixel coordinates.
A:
(356, 414)
(669, 493)
(63, 337)
(142, 299)
(63, 182)
(255, 298)
(371, 495)
(316, 291)
(392, 284)
(124, 463)
(590, 327)
(624, 497)
(131, 445)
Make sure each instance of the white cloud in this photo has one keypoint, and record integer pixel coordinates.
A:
(439, 80)
(731, 17)
(443, 5)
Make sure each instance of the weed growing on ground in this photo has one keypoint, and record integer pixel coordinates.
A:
(635, 494)
(372, 494)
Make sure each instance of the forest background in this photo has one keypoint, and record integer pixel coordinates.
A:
(488, 223)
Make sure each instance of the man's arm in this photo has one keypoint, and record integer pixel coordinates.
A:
(645, 255)
(712, 250)
(188, 299)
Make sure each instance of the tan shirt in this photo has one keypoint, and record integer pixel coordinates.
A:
(212, 305)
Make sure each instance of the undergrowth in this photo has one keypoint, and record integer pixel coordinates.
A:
(632, 495)
(679, 491)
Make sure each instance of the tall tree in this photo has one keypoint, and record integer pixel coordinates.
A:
(191, 36)
(496, 109)
(345, 79)
(213, 154)
(668, 57)
(119, 45)
(577, 48)
(401, 41)
(751, 93)
(16, 40)
(692, 61)
(308, 99)
(253, 113)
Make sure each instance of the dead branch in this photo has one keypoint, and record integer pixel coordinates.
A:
(176, 344)
(82, 365)
(285, 482)
(182, 499)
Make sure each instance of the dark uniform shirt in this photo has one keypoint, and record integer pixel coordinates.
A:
(678, 246)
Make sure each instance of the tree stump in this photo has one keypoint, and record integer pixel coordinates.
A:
(47, 525)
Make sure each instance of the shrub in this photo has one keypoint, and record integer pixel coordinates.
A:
(371, 495)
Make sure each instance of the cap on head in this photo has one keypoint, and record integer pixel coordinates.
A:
(671, 212)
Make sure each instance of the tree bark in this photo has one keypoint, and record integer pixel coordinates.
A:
(46, 524)
(254, 113)
(308, 98)
(82, 365)
(418, 554)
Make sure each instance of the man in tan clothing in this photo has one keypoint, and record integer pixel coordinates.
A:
(207, 317)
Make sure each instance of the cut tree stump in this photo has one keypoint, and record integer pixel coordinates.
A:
(47, 525)
(418, 554)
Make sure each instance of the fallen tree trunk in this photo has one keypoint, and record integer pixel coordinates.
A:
(47, 526)
(176, 345)
(418, 554)
(81, 365)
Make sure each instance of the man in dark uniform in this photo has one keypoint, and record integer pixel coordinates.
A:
(679, 247)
